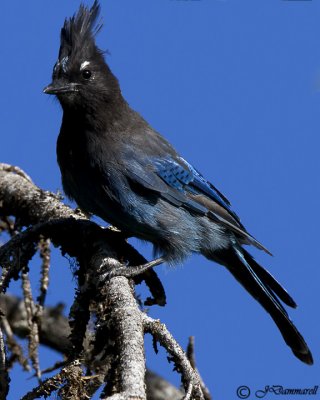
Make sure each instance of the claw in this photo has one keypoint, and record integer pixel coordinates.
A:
(132, 271)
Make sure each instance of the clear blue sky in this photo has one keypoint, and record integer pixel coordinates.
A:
(235, 86)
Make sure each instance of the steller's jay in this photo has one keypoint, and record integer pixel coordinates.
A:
(116, 166)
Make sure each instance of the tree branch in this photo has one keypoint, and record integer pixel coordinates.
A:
(114, 350)
(191, 379)
(54, 333)
(32, 206)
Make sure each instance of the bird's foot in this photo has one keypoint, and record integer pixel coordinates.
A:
(132, 271)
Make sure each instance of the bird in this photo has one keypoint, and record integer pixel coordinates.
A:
(116, 166)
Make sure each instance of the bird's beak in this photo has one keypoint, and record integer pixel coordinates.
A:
(58, 88)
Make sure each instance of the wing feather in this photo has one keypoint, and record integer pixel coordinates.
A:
(181, 184)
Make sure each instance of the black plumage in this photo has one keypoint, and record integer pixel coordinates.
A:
(114, 165)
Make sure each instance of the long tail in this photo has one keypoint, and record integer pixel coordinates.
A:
(265, 289)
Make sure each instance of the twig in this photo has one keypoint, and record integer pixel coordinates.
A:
(161, 333)
(55, 366)
(192, 358)
(53, 383)
(33, 337)
(44, 247)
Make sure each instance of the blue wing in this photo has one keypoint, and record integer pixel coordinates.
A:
(182, 185)
(185, 178)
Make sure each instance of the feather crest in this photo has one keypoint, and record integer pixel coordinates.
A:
(78, 32)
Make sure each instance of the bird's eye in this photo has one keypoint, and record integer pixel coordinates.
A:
(86, 74)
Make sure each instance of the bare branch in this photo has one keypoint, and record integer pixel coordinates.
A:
(192, 358)
(161, 333)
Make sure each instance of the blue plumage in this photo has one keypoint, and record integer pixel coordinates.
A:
(116, 166)
(186, 178)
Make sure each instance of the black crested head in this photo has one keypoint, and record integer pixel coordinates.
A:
(81, 76)
(77, 38)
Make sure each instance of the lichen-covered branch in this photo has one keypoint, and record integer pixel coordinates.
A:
(192, 358)
(111, 350)
(32, 206)
(190, 376)
(54, 333)
(126, 319)
(71, 373)
(33, 342)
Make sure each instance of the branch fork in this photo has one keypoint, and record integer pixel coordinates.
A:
(112, 353)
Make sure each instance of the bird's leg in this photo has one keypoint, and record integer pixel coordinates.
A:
(132, 271)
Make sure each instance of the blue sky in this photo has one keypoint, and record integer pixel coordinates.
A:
(235, 86)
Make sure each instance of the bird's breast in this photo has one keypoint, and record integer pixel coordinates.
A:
(89, 176)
